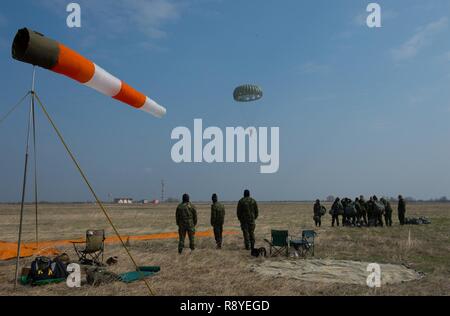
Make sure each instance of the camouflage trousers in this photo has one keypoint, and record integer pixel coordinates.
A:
(375, 220)
(401, 217)
(248, 230)
(388, 219)
(362, 218)
(334, 218)
(317, 220)
(182, 231)
(218, 230)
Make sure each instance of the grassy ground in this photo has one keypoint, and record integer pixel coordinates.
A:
(208, 271)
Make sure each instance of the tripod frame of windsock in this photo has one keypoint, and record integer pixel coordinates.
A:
(36, 49)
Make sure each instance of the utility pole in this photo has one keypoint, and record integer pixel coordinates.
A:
(162, 191)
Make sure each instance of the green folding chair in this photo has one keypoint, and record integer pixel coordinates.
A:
(94, 248)
(279, 242)
(306, 244)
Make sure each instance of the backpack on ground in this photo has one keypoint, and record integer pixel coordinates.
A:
(40, 269)
(44, 268)
(59, 269)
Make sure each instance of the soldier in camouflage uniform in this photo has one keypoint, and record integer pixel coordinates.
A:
(336, 209)
(358, 212)
(401, 210)
(317, 213)
(375, 211)
(371, 221)
(186, 216)
(363, 205)
(247, 213)
(217, 219)
(387, 211)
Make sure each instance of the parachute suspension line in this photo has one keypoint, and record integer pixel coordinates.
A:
(102, 207)
(33, 115)
(4, 117)
(24, 184)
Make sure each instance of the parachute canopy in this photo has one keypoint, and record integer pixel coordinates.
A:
(247, 93)
(34, 48)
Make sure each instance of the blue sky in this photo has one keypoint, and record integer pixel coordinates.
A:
(360, 110)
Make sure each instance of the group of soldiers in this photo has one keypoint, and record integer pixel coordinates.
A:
(186, 217)
(353, 213)
(361, 212)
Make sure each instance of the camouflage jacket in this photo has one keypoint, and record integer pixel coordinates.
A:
(186, 215)
(317, 209)
(388, 208)
(217, 214)
(401, 206)
(363, 205)
(337, 208)
(247, 210)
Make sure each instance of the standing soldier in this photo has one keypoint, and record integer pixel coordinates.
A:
(317, 213)
(358, 211)
(387, 212)
(378, 211)
(247, 213)
(401, 210)
(186, 216)
(217, 219)
(363, 204)
(336, 209)
(370, 206)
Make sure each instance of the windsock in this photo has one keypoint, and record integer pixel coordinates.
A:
(36, 49)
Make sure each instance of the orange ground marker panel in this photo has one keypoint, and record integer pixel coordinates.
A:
(8, 250)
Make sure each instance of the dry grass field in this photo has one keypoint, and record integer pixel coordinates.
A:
(208, 271)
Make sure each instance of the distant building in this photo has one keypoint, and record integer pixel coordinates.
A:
(123, 201)
(154, 202)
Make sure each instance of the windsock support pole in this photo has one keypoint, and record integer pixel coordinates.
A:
(33, 119)
(97, 199)
(24, 185)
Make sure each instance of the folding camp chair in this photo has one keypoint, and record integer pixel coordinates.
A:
(306, 244)
(279, 242)
(95, 246)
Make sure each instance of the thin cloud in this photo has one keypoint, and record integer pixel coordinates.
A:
(120, 17)
(361, 19)
(421, 39)
(314, 68)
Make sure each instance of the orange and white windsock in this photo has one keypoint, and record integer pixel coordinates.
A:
(36, 49)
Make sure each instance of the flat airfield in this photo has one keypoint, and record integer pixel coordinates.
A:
(228, 272)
